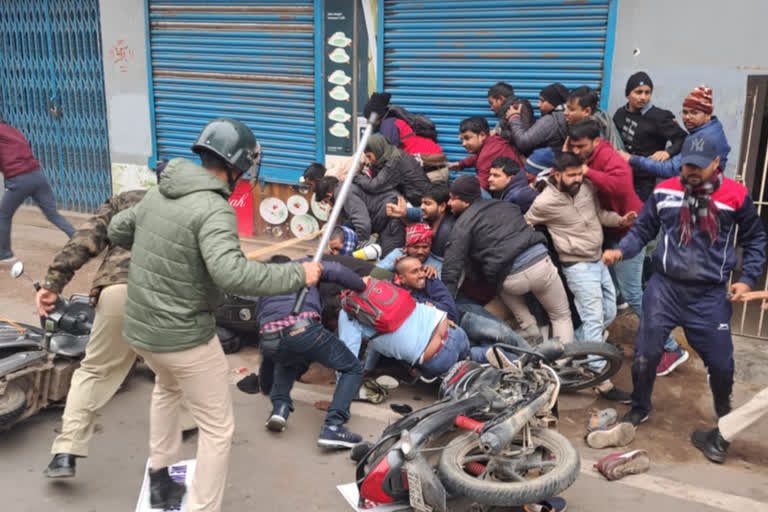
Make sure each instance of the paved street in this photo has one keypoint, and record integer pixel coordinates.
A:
(288, 472)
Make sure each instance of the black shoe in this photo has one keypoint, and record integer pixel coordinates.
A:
(279, 418)
(188, 434)
(635, 417)
(711, 444)
(62, 466)
(164, 493)
(616, 395)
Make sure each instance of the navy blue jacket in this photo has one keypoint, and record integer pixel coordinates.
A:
(700, 262)
(436, 293)
(280, 306)
(712, 130)
(518, 191)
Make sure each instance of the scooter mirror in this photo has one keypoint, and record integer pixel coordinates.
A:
(17, 270)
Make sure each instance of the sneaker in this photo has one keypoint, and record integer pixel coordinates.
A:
(670, 361)
(620, 434)
(619, 465)
(711, 444)
(337, 436)
(8, 259)
(635, 417)
(602, 419)
(279, 418)
(616, 395)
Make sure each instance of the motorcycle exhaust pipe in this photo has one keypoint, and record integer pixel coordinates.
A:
(497, 437)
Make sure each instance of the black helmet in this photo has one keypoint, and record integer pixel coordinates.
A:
(232, 140)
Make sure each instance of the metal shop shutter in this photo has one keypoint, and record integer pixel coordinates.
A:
(440, 57)
(249, 60)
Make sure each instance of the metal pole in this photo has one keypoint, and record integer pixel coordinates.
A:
(337, 206)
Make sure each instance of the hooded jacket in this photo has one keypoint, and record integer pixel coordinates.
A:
(491, 234)
(519, 191)
(367, 213)
(394, 169)
(700, 262)
(574, 222)
(15, 152)
(612, 178)
(493, 147)
(185, 252)
(712, 130)
(550, 130)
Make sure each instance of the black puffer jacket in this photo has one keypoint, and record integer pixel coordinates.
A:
(367, 213)
(404, 175)
(491, 234)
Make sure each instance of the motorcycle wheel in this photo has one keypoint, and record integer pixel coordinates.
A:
(550, 466)
(12, 404)
(576, 370)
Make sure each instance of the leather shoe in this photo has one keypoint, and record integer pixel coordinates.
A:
(164, 493)
(279, 417)
(62, 466)
(711, 444)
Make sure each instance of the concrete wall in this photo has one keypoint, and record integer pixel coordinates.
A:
(683, 44)
(124, 48)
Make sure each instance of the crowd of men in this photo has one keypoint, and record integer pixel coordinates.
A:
(563, 219)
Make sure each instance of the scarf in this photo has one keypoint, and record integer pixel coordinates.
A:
(699, 209)
(418, 234)
(349, 244)
(382, 150)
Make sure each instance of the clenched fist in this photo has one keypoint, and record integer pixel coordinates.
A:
(312, 272)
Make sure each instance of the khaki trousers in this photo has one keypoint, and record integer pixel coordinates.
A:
(201, 376)
(739, 419)
(108, 359)
(544, 282)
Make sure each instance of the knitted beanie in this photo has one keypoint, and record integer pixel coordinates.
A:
(700, 99)
(636, 80)
(466, 187)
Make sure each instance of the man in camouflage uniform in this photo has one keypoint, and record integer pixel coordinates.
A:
(108, 357)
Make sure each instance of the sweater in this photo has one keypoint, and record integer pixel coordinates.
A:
(15, 152)
(493, 147)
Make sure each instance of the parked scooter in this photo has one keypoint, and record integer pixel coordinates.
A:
(489, 439)
(36, 364)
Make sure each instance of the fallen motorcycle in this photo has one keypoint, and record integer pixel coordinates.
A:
(489, 438)
(36, 364)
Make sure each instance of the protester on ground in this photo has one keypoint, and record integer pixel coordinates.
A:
(699, 121)
(714, 443)
(612, 178)
(549, 130)
(392, 125)
(23, 179)
(507, 183)
(484, 148)
(418, 244)
(493, 237)
(343, 241)
(569, 208)
(392, 169)
(366, 213)
(584, 103)
(185, 250)
(293, 341)
(697, 214)
(482, 328)
(646, 130)
(434, 212)
(502, 96)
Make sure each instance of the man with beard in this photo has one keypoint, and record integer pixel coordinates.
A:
(434, 212)
(697, 214)
(569, 208)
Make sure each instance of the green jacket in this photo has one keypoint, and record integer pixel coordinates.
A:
(185, 252)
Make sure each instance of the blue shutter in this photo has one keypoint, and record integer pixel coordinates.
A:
(249, 60)
(441, 57)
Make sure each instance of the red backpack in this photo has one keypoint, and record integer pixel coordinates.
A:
(382, 305)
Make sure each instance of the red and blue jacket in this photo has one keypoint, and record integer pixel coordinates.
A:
(700, 262)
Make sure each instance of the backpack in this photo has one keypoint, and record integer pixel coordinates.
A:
(419, 123)
(382, 305)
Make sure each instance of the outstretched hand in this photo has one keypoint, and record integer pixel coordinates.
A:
(758, 295)
(397, 210)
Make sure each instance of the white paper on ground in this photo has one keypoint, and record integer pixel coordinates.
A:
(182, 471)
(352, 495)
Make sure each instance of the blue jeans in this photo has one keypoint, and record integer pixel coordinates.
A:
(484, 329)
(455, 349)
(316, 344)
(629, 276)
(595, 298)
(17, 189)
